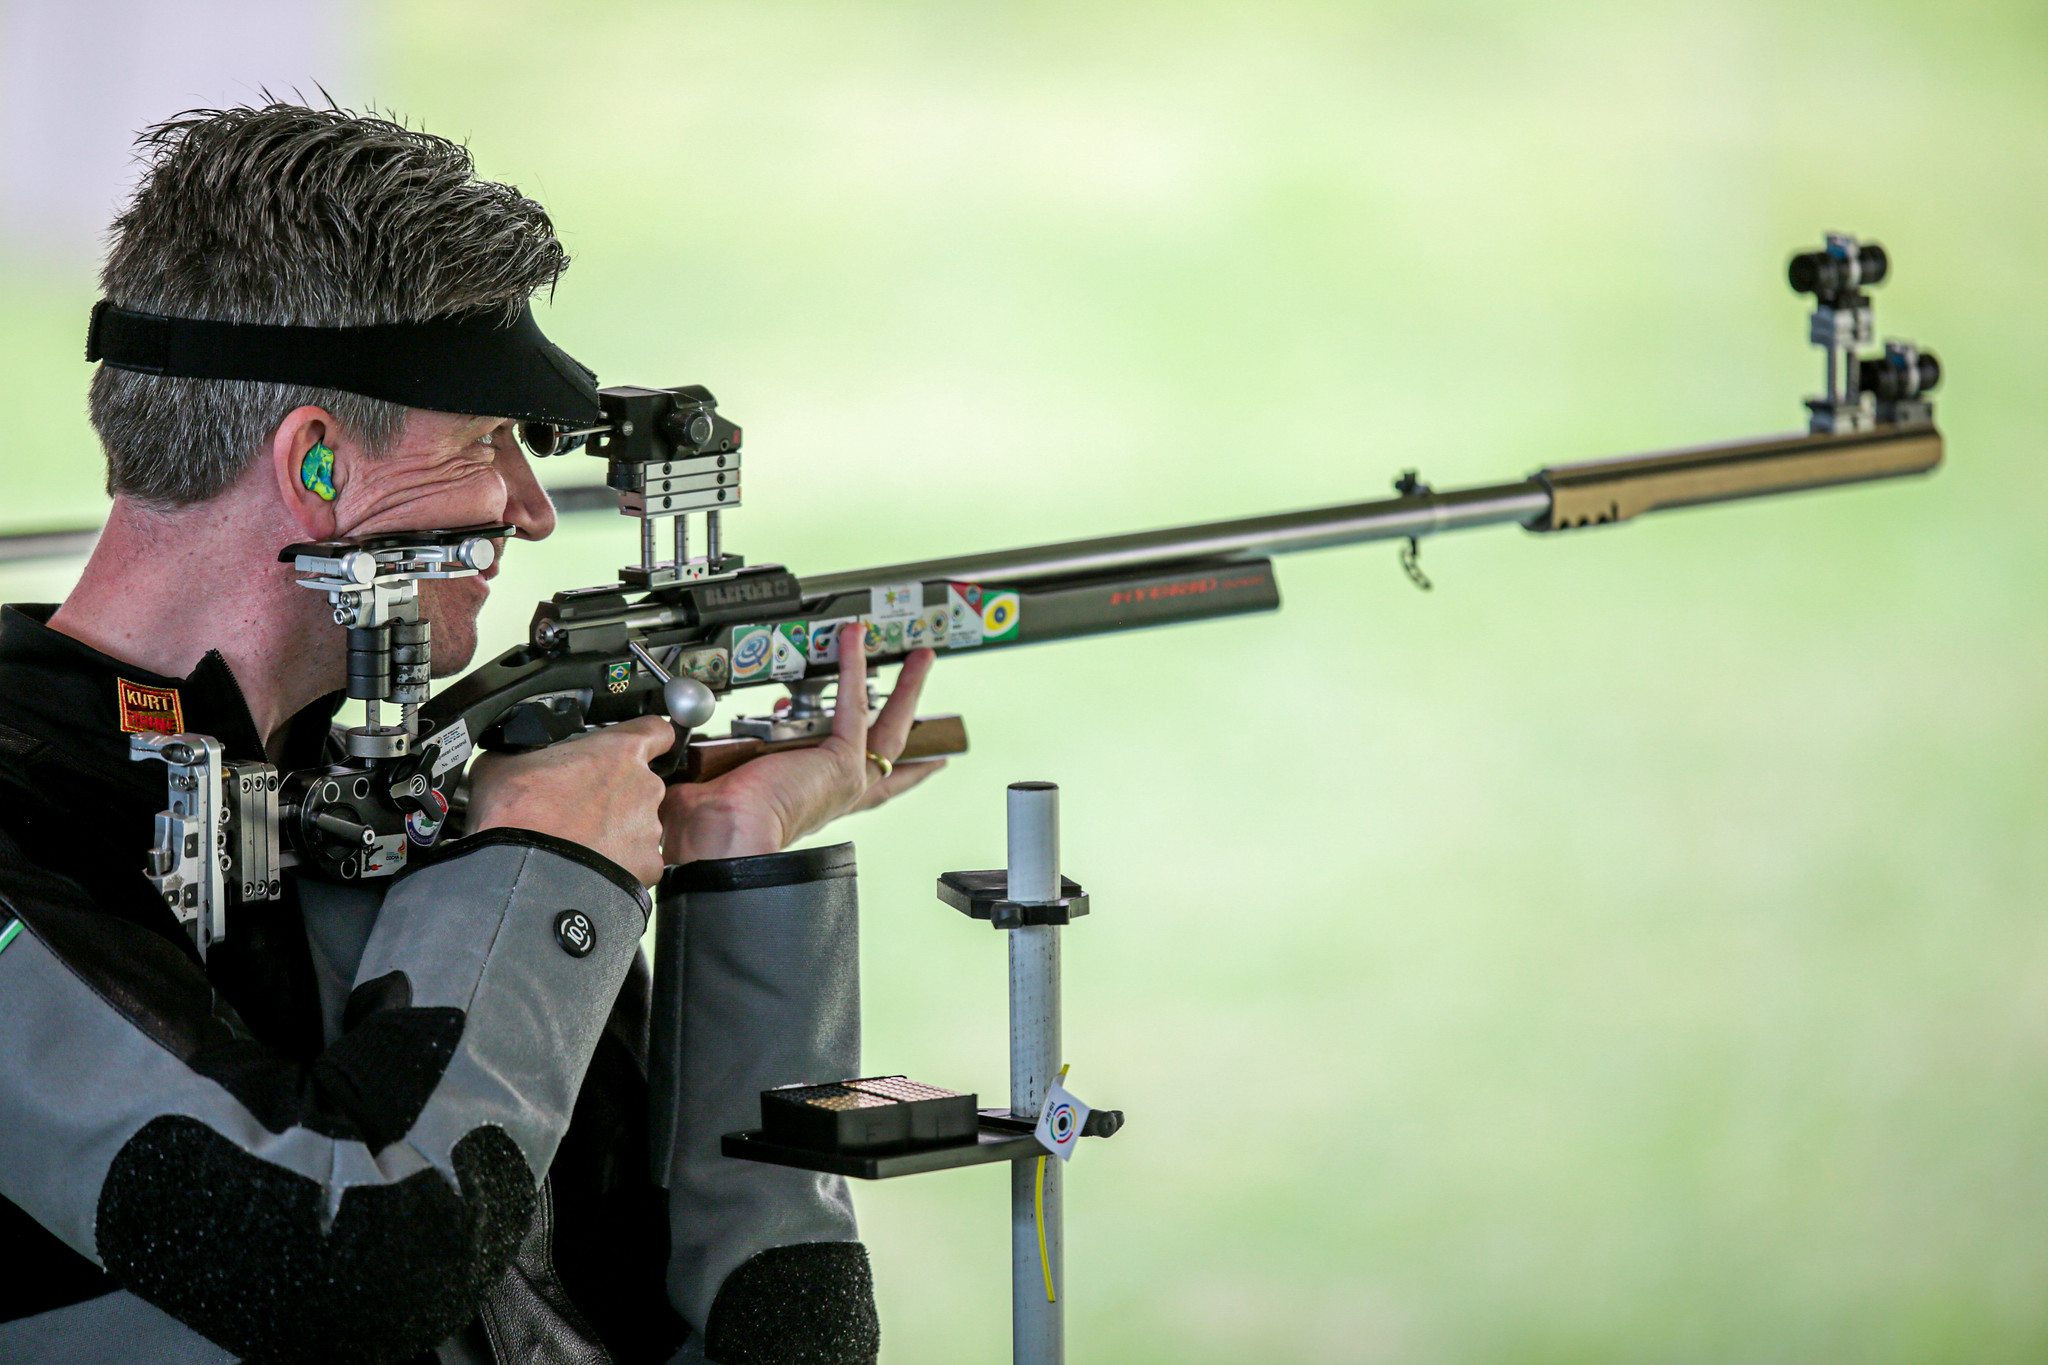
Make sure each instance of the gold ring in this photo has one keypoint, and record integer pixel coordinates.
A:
(884, 764)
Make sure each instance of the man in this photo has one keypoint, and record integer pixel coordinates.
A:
(398, 1121)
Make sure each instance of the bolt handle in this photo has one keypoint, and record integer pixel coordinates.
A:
(688, 702)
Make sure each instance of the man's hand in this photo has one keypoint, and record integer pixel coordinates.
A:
(596, 790)
(770, 802)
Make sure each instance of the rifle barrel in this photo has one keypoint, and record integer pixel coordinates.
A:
(1562, 497)
(1317, 528)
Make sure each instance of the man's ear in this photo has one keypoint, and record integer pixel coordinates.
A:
(301, 481)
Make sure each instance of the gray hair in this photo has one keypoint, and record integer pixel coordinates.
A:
(313, 217)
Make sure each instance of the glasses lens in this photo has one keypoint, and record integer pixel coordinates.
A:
(541, 438)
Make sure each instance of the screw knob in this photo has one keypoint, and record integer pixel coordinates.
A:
(476, 553)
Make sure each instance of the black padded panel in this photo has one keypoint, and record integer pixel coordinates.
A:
(370, 1085)
(234, 1247)
(808, 1304)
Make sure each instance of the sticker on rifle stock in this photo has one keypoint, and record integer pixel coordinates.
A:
(709, 666)
(422, 828)
(884, 637)
(752, 651)
(896, 601)
(618, 677)
(926, 631)
(963, 615)
(1001, 614)
(149, 710)
(385, 857)
(451, 747)
(790, 653)
(824, 642)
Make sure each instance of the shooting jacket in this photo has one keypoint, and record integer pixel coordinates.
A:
(402, 1121)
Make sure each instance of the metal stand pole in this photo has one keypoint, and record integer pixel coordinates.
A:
(1038, 1326)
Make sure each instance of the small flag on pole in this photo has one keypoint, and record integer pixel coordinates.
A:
(1060, 1120)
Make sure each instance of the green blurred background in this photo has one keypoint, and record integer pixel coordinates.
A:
(1629, 951)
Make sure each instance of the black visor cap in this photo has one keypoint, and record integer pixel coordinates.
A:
(479, 366)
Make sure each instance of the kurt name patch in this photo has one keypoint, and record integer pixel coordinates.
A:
(149, 710)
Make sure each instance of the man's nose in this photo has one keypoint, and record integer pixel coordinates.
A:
(527, 505)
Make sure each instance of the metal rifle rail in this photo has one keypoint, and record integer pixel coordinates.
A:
(1318, 528)
(1562, 497)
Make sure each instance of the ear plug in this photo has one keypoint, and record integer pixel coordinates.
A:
(316, 471)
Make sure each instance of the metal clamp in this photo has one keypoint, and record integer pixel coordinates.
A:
(188, 859)
(985, 895)
(254, 833)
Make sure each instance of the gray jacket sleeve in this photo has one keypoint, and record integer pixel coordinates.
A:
(757, 984)
(355, 1209)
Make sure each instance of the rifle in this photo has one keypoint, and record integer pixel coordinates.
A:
(677, 631)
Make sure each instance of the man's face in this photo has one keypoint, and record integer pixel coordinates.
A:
(445, 471)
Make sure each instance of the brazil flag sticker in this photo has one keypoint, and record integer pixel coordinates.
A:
(1001, 613)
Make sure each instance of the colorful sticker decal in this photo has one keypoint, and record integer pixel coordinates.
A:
(791, 652)
(824, 642)
(618, 676)
(1060, 1120)
(963, 615)
(884, 637)
(1001, 613)
(752, 648)
(385, 857)
(423, 828)
(708, 666)
(927, 630)
(896, 601)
